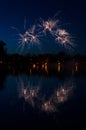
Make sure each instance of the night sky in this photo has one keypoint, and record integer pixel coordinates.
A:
(13, 13)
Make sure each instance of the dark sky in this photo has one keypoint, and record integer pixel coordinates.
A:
(13, 13)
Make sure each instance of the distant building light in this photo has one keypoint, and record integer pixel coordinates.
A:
(59, 66)
(34, 66)
(1, 62)
(76, 67)
(42, 66)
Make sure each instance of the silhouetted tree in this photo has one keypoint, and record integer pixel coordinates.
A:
(2, 49)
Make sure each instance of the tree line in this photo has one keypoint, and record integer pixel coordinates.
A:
(28, 58)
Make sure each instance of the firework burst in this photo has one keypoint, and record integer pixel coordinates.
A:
(63, 37)
(32, 36)
(48, 25)
(23, 38)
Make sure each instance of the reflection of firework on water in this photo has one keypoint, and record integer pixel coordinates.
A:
(60, 96)
(33, 95)
(28, 92)
(48, 106)
(32, 36)
(64, 92)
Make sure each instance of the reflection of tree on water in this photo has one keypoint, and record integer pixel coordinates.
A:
(3, 73)
(3, 76)
(32, 92)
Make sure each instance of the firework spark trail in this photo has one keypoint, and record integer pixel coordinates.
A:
(60, 35)
(32, 36)
(48, 25)
(63, 37)
(29, 38)
(16, 29)
(23, 41)
(25, 23)
(22, 38)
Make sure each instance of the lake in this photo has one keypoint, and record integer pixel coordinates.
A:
(42, 100)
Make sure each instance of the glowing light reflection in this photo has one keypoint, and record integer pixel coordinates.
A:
(35, 97)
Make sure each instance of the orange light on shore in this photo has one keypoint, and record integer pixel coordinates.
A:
(42, 66)
(34, 66)
(76, 67)
(1, 62)
(46, 68)
(59, 66)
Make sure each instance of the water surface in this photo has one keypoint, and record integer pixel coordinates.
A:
(49, 101)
